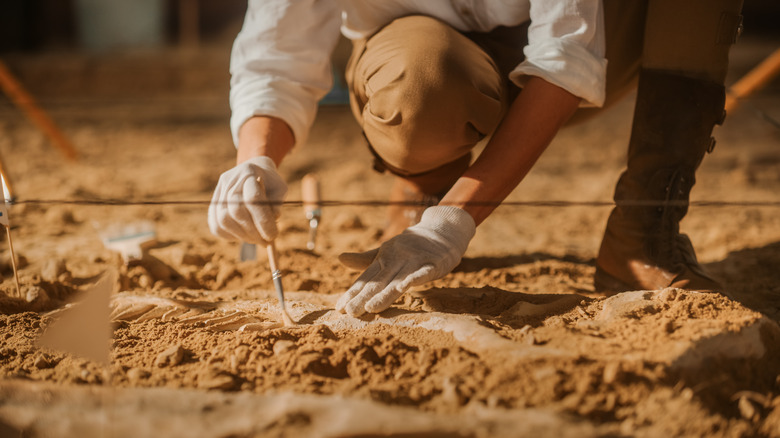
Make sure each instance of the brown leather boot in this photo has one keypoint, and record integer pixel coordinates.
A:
(643, 248)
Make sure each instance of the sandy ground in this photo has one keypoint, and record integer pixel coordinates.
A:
(513, 343)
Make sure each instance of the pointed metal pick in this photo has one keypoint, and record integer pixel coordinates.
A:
(85, 329)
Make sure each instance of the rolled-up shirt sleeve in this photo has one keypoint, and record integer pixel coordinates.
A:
(566, 48)
(280, 62)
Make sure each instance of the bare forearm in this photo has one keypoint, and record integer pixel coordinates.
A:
(264, 136)
(528, 128)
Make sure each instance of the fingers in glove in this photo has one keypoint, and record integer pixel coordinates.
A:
(385, 298)
(356, 287)
(236, 219)
(259, 212)
(358, 260)
(220, 222)
(421, 276)
(357, 305)
(397, 287)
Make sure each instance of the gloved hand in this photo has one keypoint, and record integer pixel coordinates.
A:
(237, 211)
(422, 253)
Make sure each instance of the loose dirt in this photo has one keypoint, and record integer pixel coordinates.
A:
(514, 342)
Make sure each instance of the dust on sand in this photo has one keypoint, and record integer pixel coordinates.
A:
(514, 342)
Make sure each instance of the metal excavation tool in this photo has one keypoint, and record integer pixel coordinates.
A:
(248, 252)
(276, 274)
(8, 198)
(310, 188)
(13, 259)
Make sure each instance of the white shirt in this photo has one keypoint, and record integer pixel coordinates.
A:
(280, 64)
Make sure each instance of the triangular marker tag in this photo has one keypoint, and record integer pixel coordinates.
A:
(85, 329)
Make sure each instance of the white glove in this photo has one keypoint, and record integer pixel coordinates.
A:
(239, 209)
(422, 253)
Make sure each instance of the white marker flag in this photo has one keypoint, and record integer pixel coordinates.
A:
(6, 192)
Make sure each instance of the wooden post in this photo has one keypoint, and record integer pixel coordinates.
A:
(25, 102)
(753, 80)
(189, 20)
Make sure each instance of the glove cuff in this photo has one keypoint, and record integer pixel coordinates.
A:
(453, 222)
(263, 162)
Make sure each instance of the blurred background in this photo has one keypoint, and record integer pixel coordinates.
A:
(101, 25)
(68, 52)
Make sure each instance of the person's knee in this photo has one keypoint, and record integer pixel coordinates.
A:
(431, 101)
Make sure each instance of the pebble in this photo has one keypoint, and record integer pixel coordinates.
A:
(219, 380)
(746, 408)
(137, 374)
(225, 274)
(42, 362)
(145, 281)
(89, 377)
(348, 221)
(611, 371)
(283, 346)
(60, 216)
(170, 357)
(36, 294)
(190, 259)
(308, 285)
(53, 269)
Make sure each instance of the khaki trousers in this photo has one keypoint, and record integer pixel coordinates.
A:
(425, 93)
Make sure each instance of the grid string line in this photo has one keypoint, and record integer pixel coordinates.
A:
(381, 203)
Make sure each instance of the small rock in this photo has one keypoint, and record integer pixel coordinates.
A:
(37, 295)
(241, 353)
(348, 221)
(157, 269)
(308, 284)
(89, 377)
(145, 281)
(53, 269)
(59, 216)
(746, 408)
(283, 346)
(234, 363)
(225, 274)
(170, 357)
(667, 294)
(42, 362)
(610, 373)
(450, 393)
(217, 379)
(65, 278)
(628, 305)
(137, 374)
(192, 259)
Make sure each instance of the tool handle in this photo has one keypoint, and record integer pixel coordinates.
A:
(24, 101)
(310, 191)
(271, 248)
